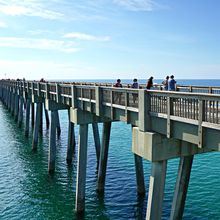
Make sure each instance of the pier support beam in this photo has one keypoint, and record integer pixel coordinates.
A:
(27, 118)
(156, 190)
(41, 118)
(12, 103)
(96, 140)
(139, 174)
(16, 107)
(36, 127)
(71, 142)
(20, 114)
(182, 183)
(52, 142)
(32, 113)
(103, 156)
(81, 168)
(46, 117)
(58, 124)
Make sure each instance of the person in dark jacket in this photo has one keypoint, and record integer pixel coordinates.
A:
(150, 82)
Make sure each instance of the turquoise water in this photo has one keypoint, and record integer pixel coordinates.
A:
(28, 192)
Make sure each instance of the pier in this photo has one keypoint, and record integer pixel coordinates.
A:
(164, 125)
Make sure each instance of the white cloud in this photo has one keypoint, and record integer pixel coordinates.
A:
(43, 44)
(27, 8)
(82, 36)
(138, 5)
(3, 24)
(39, 32)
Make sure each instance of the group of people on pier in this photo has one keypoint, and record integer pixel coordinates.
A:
(169, 83)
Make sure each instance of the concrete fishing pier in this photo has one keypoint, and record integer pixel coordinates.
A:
(165, 125)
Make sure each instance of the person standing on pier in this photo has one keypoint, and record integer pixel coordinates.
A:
(135, 86)
(165, 83)
(150, 82)
(117, 95)
(172, 83)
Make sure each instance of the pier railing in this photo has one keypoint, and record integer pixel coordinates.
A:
(195, 103)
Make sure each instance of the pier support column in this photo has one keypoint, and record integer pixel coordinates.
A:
(32, 113)
(8, 99)
(139, 174)
(58, 124)
(16, 107)
(12, 103)
(81, 168)
(41, 118)
(71, 142)
(182, 183)
(95, 128)
(156, 190)
(36, 127)
(52, 143)
(20, 114)
(46, 117)
(27, 118)
(103, 156)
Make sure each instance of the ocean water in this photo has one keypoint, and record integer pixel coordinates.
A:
(27, 191)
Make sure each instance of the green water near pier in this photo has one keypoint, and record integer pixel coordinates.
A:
(27, 191)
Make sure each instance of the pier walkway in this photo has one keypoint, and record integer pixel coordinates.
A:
(164, 125)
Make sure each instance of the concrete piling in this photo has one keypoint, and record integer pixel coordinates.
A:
(41, 118)
(12, 104)
(139, 174)
(27, 118)
(182, 183)
(103, 156)
(57, 124)
(36, 128)
(16, 107)
(46, 117)
(32, 113)
(156, 190)
(71, 141)
(81, 168)
(20, 112)
(95, 129)
(52, 142)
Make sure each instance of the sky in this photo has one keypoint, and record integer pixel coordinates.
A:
(108, 39)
